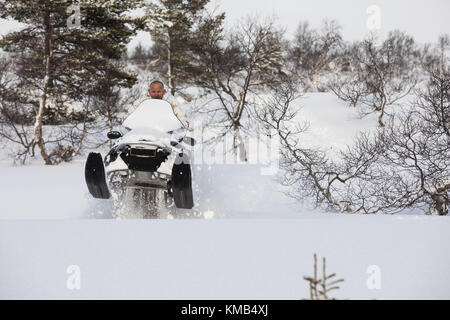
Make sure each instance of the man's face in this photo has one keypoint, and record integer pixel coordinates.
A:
(156, 91)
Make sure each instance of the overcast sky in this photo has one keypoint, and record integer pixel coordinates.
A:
(424, 19)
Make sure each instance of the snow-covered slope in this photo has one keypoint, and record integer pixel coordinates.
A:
(224, 259)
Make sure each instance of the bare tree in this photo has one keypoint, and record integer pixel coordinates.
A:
(246, 60)
(309, 172)
(412, 167)
(346, 81)
(403, 165)
(312, 52)
(435, 57)
(382, 74)
(349, 88)
(444, 46)
(420, 144)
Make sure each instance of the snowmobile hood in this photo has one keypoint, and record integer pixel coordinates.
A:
(153, 114)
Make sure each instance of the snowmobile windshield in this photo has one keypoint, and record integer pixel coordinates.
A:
(153, 114)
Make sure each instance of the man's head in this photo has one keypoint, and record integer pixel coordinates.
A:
(156, 90)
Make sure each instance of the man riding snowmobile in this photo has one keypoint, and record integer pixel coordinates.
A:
(149, 165)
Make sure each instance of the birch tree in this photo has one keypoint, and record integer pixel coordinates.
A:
(313, 51)
(404, 165)
(245, 61)
(383, 74)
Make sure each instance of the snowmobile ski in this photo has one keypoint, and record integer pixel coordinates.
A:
(182, 186)
(94, 173)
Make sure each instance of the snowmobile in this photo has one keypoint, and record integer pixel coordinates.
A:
(148, 167)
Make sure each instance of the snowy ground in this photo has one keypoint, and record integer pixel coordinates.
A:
(223, 259)
(245, 239)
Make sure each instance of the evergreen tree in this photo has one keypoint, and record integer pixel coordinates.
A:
(140, 55)
(58, 62)
(171, 24)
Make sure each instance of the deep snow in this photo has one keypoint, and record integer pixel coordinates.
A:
(224, 259)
